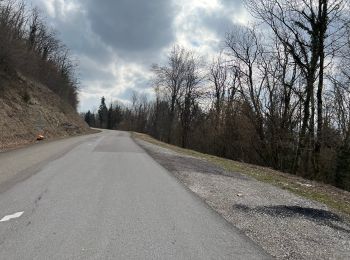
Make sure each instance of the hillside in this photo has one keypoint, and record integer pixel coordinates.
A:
(28, 108)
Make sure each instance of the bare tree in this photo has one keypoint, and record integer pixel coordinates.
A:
(303, 28)
(246, 50)
(191, 93)
(28, 46)
(171, 79)
(219, 78)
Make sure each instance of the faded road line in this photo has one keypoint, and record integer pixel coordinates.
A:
(9, 217)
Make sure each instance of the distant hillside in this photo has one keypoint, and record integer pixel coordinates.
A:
(28, 108)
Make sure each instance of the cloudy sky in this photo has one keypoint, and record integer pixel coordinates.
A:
(117, 41)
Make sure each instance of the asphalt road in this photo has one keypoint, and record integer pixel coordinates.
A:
(102, 197)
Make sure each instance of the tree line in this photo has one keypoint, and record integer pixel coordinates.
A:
(29, 46)
(277, 95)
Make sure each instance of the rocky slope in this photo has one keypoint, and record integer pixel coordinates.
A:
(28, 109)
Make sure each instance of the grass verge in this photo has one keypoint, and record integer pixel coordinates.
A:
(337, 199)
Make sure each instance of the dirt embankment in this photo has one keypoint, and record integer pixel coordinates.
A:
(28, 109)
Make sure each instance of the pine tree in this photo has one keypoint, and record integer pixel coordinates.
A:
(118, 111)
(87, 118)
(103, 113)
(110, 118)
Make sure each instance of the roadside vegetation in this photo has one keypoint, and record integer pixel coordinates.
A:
(335, 198)
(277, 95)
(30, 47)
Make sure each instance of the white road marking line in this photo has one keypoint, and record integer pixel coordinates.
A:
(9, 217)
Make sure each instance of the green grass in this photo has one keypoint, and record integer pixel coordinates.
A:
(334, 198)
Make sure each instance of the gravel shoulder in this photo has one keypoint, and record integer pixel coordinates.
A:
(286, 225)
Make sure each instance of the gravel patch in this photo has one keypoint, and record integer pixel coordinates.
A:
(287, 226)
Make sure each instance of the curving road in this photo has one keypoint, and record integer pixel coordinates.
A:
(102, 197)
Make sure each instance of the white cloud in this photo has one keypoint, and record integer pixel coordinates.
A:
(59, 8)
(108, 65)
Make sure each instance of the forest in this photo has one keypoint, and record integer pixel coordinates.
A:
(30, 47)
(277, 95)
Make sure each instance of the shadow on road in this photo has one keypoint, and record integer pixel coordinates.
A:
(319, 216)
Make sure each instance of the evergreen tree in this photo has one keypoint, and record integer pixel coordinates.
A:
(110, 118)
(118, 112)
(87, 118)
(103, 113)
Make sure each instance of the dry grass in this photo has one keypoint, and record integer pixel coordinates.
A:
(335, 198)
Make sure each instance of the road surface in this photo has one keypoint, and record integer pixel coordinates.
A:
(102, 197)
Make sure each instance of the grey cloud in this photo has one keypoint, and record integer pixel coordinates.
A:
(76, 33)
(92, 73)
(235, 4)
(119, 32)
(132, 25)
(216, 22)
